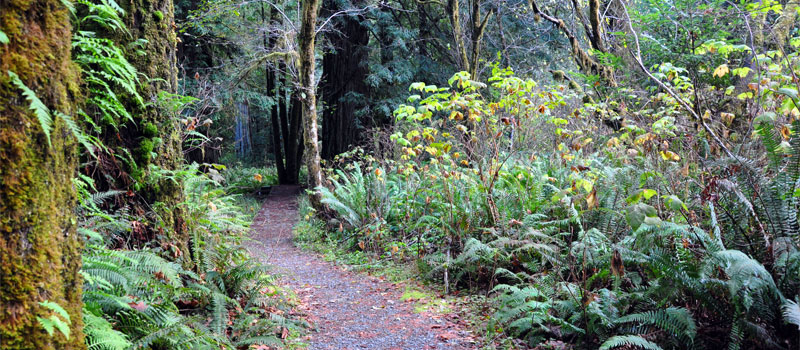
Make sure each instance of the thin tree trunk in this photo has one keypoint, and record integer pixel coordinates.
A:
(269, 43)
(40, 252)
(454, 12)
(307, 38)
(478, 29)
(295, 157)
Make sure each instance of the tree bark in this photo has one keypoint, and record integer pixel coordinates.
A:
(40, 252)
(292, 122)
(155, 129)
(594, 31)
(307, 36)
(342, 86)
(269, 44)
(785, 24)
(477, 30)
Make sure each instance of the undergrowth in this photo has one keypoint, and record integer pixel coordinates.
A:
(630, 239)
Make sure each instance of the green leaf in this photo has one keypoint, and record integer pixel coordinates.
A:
(629, 341)
(36, 105)
(50, 324)
(55, 307)
(790, 92)
(767, 117)
(642, 194)
(674, 203)
(3, 38)
(641, 213)
(417, 86)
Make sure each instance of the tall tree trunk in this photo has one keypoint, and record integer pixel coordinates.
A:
(342, 86)
(477, 29)
(156, 129)
(269, 43)
(308, 28)
(39, 248)
(280, 165)
(292, 122)
(454, 13)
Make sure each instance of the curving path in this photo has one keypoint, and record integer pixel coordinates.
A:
(347, 310)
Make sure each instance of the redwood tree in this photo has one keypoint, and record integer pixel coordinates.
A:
(39, 248)
(154, 136)
(344, 70)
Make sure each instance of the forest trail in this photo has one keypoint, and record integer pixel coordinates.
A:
(347, 310)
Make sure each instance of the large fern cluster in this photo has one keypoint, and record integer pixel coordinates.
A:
(142, 299)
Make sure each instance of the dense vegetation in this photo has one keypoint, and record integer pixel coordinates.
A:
(609, 173)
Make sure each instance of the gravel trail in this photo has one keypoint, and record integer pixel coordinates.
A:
(347, 310)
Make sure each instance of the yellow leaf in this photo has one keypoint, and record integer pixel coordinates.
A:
(721, 70)
(786, 132)
(727, 118)
(591, 200)
(671, 156)
(257, 177)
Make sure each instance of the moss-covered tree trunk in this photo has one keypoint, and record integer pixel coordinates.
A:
(39, 248)
(154, 138)
(307, 39)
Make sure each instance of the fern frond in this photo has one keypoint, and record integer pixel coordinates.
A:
(36, 105)
(628, 341)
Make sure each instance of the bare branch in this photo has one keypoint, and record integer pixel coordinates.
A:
(637, 56)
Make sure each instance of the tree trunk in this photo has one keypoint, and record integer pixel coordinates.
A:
(593, 30)
(785, 24)
(155, 130)
(294, 153)
(40, 252)
(343, 88)
(310, 9)
(478, 29)
(454, 13)
(269, 43)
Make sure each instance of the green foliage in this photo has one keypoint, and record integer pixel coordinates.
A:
(627, 341)
(45, 116)
(100, 334)
(58, 320)
(36, 105)
(591, 243)
(246, 180)
(141, 299)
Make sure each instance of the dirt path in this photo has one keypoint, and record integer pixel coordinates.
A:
(347, 310)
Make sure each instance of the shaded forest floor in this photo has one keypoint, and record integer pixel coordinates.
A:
(346, 309)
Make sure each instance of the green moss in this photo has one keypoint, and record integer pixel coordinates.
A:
(150, 130)
(146, 147)
(40, 249)
(159, 16)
